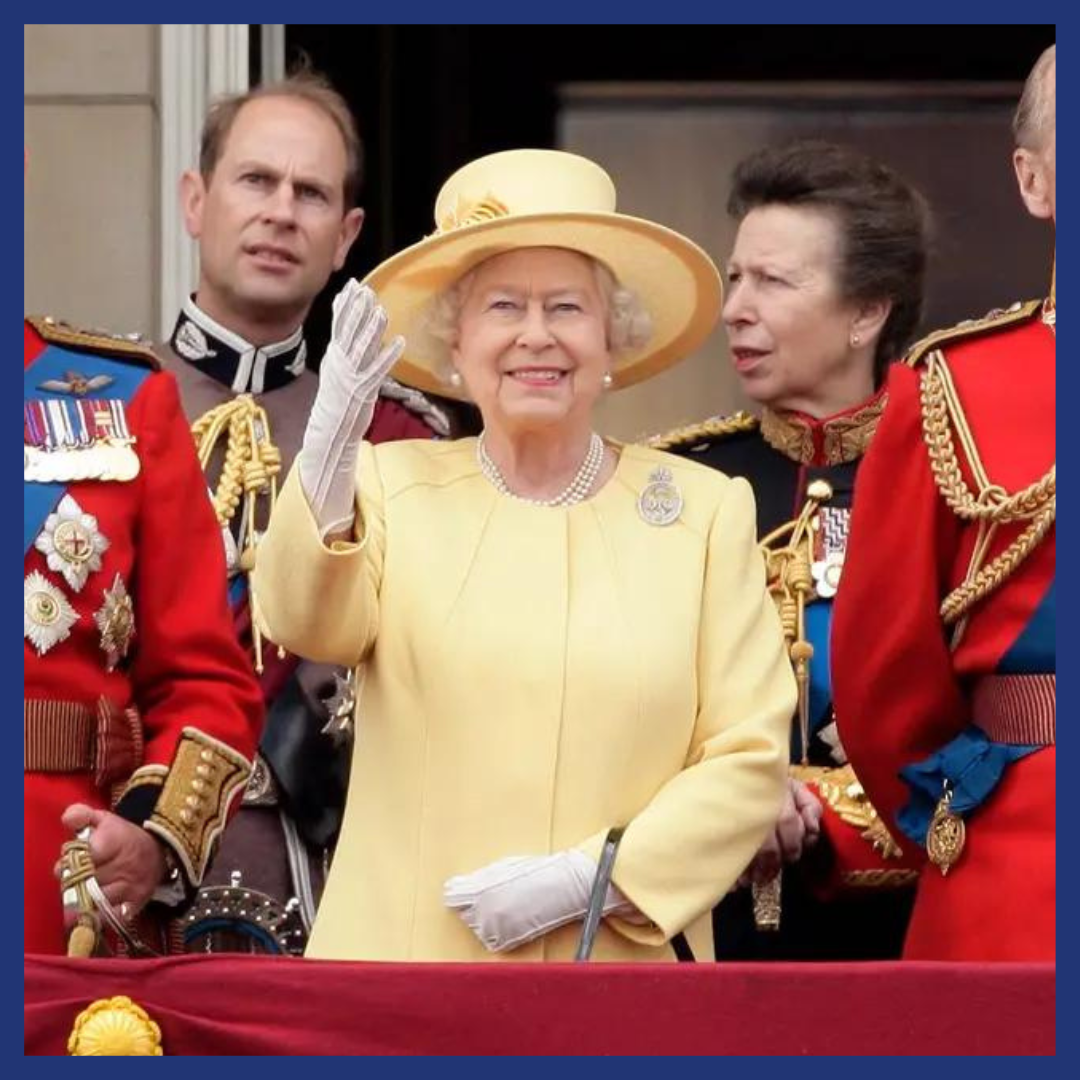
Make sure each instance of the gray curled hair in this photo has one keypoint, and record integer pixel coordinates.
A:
(629, 324)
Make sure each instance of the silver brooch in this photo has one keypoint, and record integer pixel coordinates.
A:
(71, 543)
(47, 616)
(661, 502)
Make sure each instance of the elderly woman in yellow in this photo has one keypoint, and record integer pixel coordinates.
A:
(555, 634)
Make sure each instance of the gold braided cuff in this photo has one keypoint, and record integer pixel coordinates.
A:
(192, 809)
(840, 790)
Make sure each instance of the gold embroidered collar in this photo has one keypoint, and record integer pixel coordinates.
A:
(835, 440)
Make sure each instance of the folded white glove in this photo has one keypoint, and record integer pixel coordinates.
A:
(352, 370)
(518, 899)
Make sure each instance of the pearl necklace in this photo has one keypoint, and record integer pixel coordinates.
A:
(577, 490)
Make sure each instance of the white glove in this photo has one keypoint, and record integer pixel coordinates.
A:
(352, 370)
(518, 899)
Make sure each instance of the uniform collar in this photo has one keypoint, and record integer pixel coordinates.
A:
(834, 440)
(229, 359)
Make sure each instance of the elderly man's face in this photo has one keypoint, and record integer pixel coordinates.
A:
(532, 338)
(1036, 166)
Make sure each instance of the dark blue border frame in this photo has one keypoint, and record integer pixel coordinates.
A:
(625, 11)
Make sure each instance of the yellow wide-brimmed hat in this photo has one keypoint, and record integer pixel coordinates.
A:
(547, 198)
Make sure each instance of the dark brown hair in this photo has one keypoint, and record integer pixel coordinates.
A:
(884, 225)
(303, 85)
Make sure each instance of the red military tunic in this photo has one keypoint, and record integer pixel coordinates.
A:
(904, 687)
(177, 765)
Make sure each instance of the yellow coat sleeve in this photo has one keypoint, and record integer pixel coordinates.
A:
(322, 602)
(684, 850)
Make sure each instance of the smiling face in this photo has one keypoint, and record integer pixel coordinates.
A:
(271, 221)
(532, 339)
(788, 326)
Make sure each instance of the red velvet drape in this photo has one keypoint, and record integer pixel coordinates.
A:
(261, 1005)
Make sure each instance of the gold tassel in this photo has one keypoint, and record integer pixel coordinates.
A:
(83, 940)
(766, 897)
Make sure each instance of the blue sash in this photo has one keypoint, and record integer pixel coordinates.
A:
(40, 499)
(971, 763)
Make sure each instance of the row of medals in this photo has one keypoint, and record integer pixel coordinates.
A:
(104, 459)
(65, 440)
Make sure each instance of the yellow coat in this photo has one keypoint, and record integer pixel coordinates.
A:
(532, 676)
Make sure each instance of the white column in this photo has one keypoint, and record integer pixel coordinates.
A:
(199, 63)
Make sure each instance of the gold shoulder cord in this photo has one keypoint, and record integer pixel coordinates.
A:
(789, 556)
(249, 471)
(991, 506)
(713, 428)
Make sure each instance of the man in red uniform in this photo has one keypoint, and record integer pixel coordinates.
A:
(140, 713)
(944, 635)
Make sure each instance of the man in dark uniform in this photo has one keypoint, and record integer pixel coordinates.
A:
(273, 207)
(825, 288)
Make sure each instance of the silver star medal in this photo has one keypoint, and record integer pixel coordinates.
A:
(826, 573)
(116, 621)
(661, 502)
(71, 543)
(47, 616)
(340, 707)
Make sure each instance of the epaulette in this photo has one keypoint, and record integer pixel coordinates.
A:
(993, 320)
(131, 347)
(716, 427)
(419, 404)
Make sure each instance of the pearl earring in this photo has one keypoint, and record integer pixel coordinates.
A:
(855, 339)
(456, 379)
(607, 381)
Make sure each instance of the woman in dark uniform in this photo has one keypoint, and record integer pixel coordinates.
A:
(825, 290)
